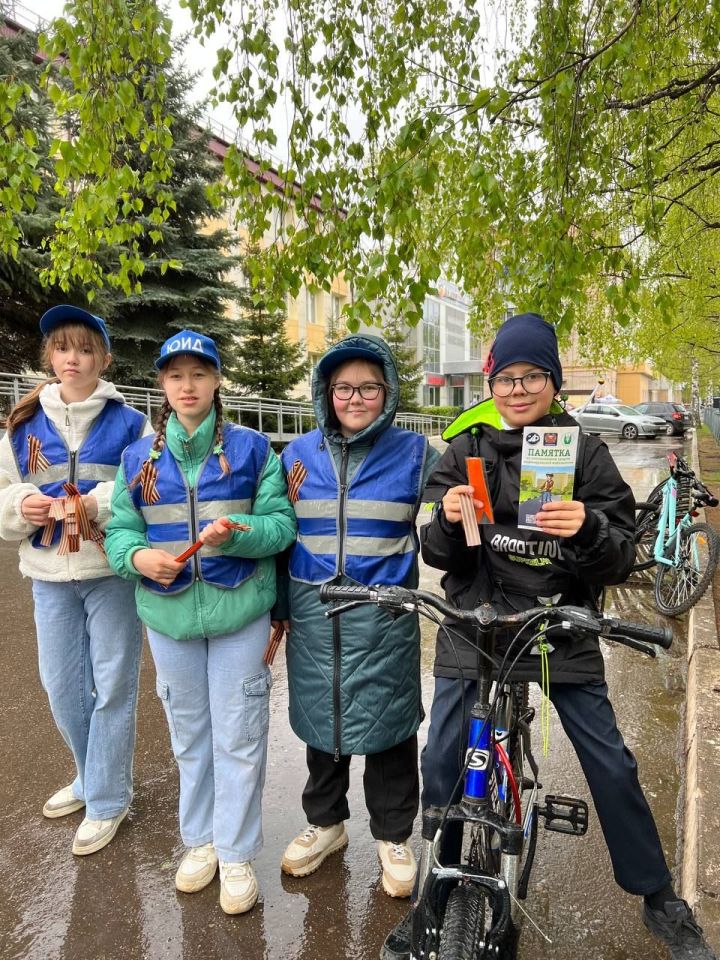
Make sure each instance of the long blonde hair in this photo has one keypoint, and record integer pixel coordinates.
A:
(77, 335)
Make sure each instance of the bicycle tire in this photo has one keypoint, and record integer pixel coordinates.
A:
(462, 935)
(646, 521)
(678, 588)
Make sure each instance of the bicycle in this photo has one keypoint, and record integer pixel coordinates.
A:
(471, 910)
(668, 535)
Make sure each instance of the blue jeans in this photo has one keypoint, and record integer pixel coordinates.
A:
(89, 647)
(216, 695)
(588, 720)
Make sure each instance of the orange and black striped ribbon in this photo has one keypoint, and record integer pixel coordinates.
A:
(37, 460)
(296, 477)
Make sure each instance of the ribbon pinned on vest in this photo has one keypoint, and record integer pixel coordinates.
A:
(76, 525)
(37, 460)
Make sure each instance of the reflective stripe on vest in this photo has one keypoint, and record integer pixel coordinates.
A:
(379, 541)
(176, 520)
(97, 459)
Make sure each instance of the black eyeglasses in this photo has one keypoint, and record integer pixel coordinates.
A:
(346, 391)
(533, 382)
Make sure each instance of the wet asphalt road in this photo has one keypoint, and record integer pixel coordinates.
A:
(121, 902)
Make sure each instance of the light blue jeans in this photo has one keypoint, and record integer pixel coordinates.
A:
(216, 695)
(89, 647)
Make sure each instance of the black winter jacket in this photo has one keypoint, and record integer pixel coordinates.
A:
(512, 568)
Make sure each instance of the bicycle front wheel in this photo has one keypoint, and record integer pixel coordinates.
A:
(680, 586)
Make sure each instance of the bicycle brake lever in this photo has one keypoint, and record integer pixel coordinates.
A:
(344, 607)
(635, 644)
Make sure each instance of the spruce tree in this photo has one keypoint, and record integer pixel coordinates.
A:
(267, 364)
(198, 293)
(22, 297)
(409, 368)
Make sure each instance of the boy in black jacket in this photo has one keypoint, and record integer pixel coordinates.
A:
(579, 547)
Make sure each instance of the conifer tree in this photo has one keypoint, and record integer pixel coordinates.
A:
(266, 363)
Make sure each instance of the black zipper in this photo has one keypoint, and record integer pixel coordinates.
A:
(337, 645)
(193, 531)
(344, 457)
(72, 456)
(337, 723)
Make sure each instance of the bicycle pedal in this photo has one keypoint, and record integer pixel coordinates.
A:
(565, 815)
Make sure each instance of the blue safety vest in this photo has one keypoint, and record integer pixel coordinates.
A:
(175, 521)
(97, 459)
(368, 532)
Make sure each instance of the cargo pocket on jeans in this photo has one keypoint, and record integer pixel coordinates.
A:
(163, 691)
(257, 705)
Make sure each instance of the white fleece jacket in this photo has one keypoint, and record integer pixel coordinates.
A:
(73, 422)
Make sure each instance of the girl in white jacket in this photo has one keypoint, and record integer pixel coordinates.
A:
(58, 461)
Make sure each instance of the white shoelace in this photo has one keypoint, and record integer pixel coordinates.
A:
(310, 834)
(236, 871)
(399, 851)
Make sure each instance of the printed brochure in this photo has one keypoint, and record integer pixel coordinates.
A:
(547, 470)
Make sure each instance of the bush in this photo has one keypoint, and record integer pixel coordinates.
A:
(441, 411)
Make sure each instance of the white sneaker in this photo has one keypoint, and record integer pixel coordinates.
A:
(398, 868)
(62, 803)
(238, 887)
(93, 835)
(197, 868)
(308, 850)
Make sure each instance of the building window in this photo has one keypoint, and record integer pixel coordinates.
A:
(335, 305)
(431, 335)
(431, 396)
(309, 306)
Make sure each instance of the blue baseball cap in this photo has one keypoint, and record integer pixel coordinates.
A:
(188, 342)
(67, 313)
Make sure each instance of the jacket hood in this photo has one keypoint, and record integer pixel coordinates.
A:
(361, 347)
(486, 413)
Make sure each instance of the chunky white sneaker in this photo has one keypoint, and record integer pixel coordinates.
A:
(93, 835)
(308, 850)
(238, 887)
(197, 868)
(62, 803)
(398, 868)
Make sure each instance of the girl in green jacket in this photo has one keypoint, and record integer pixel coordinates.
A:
(207, 617)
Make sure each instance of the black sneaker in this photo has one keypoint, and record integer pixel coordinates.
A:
(678, 929)
(397, 942)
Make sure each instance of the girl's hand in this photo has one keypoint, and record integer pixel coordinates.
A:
(217, 532)
(35, 508)
(561, 518)
(157, 565)
(91, 506)
(451, 502)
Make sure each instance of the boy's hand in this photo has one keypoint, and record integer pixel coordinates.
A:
(36, 508)
(217, 532)
(561, 518)
(451, 502)
(157, 565)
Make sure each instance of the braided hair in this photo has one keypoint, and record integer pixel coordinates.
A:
(219, 438)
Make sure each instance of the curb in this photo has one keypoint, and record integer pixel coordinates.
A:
(700, 865)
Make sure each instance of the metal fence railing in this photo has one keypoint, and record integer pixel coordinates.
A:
(281, 420)
(711, 417)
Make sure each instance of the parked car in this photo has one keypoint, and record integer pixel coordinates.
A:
(624, 420)
(676, 417)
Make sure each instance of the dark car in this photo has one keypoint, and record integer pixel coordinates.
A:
(676, 417)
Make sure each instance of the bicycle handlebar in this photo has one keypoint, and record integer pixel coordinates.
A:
(487, 618)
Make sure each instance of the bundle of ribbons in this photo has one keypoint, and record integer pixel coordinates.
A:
(76, 525)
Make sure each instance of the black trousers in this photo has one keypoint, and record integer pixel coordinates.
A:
(392, 789)
(610, 769)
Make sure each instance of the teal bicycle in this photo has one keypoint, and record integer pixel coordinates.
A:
(669, 535)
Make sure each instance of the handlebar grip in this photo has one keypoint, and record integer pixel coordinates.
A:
(660, 636)
(330, 592)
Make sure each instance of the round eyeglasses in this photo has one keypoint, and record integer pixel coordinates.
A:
(346, 391)
(533, 382)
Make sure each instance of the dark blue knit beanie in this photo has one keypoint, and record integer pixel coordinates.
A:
(526, 338)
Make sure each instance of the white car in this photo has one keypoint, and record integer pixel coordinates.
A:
(618, 418)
